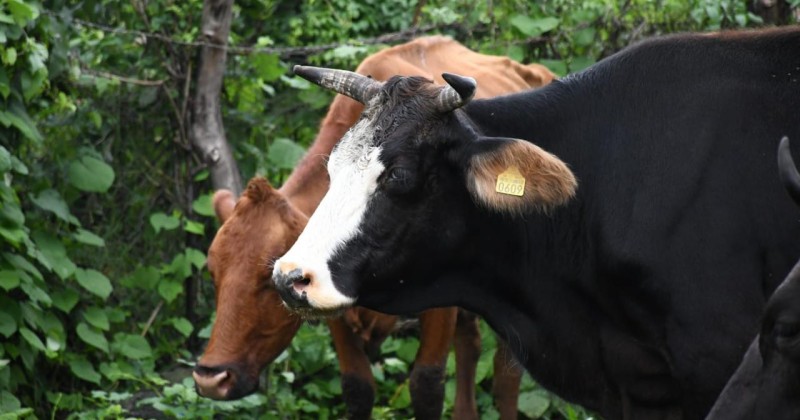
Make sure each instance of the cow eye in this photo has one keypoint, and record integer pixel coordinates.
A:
(786, 329)
(399, 179)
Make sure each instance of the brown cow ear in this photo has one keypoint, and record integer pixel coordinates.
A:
(224, 202)
(514, 176)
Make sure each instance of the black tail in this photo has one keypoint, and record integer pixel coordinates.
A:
(788, 170)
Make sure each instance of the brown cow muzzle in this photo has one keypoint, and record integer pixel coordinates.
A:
(223, 382)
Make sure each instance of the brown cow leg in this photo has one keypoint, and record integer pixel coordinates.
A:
(468, 351)
(427, 378)
(358, 385)
(505, 384)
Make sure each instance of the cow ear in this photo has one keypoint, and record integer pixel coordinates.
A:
(224, 202)
(514, 176)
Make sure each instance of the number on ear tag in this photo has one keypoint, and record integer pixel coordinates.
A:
(510, 182)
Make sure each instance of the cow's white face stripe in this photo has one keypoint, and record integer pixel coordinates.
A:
(354, 168)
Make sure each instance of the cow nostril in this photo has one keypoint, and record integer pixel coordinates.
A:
(299, 280)
(212, 382)
(300, 284)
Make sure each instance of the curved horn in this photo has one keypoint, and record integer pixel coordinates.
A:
(354, 85)
(788, 170)
(457, 93)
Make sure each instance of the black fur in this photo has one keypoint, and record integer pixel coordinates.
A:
(427, 392)
(767, 383)
(359, 396)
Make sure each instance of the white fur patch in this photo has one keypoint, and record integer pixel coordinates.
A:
(354, 169)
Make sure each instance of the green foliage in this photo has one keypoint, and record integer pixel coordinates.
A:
(105, 209)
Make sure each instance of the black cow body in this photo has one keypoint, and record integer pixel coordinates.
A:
(639, 296)
(767, 383)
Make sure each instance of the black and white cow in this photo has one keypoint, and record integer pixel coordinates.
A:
(767, 383)
(630, 269)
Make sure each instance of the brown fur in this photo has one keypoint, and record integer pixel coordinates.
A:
(548, 181)
(252, 326)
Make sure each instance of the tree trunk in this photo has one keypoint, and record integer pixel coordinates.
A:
(207, 133)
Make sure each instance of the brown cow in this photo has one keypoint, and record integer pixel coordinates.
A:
(253, 328)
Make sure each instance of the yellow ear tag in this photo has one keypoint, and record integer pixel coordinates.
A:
(510, 182)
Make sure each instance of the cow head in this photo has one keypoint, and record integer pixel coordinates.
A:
(767, 383)
(404, 181)
(252, 326)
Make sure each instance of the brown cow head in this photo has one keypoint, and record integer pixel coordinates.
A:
(252, 326)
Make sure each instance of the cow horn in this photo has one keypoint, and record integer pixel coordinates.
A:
(457, 93)
(354, 85)
(788, 170)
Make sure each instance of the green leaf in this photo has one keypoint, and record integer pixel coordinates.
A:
(161, 221)
(97, 317)
(94, 281)
(33, 83)
(23, 12)
(284, 153)
(23, 264)
(202, 175)
(18, 117)
(10, 56)
(85, 237)
(585, 37)
(147, 96)
(9, 279)
(268, 66)
(65, 299)
(401, 397)
(90, 174)
(50, 200)
(533, 404)
(32, 338)
(15, 236)
(180, 267)
(580, 63)
(18, 166)
(8, 325)
(203, 205)
(559, 67)
(347, 51)
(5, 156)
(84, 370)
(408, 350)
(182, 325)
(8, 402)
(53, 254)
(205, 332)
(12, 215)
(5, 84)
(145, 278)
(36, 294)
(533, 27)
(194, 227)
(196, 257)
(169, 289)
(132, 346)
(92, 337)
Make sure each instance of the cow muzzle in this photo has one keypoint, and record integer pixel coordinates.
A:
(308, 293)
(222, 383)
(292, 288)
